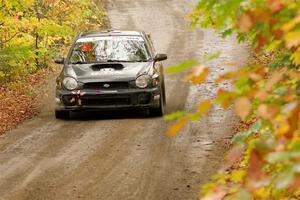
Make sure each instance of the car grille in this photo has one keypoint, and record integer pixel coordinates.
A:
(86, 101)
(106, 85)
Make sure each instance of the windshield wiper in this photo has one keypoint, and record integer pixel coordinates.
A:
(110, 60)
(78, 62)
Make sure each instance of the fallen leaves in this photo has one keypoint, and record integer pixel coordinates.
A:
(21, 103)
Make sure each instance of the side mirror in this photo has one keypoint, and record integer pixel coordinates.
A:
(161, 57)
(59, 60)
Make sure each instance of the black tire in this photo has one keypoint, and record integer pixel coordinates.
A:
(160, 111)
(157, 112)
(163, 88)
(62, 114)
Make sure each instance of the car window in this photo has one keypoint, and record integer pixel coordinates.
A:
(110, 48)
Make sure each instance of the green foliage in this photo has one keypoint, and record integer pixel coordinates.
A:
(174, 115)
(281, 59)
(181, 67)
(268, 93)
(241, 137)
(208, 57)
(33, 31)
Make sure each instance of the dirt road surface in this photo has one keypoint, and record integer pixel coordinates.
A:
(113, 156)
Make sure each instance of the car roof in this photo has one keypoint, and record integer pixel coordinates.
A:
(110, 33)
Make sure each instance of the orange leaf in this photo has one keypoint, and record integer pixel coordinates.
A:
(175, 128)
(275, 78)
(255, 172)
(198, 75)
(267, 112)
(203, 107)
(262, 95)
(262, 111)
(275, 5)
(234, 155)
(255, 76)
(245, 23)
(226, 98)
(261, 41)
(295, 184)
(228, 75)
(243, 107)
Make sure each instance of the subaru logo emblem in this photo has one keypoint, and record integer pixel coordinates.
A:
(106, 85)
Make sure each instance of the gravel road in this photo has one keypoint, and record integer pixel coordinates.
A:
(114, 156)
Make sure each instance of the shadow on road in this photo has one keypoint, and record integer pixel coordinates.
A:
(108, 115)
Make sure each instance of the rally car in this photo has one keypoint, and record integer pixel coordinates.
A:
(111, 70)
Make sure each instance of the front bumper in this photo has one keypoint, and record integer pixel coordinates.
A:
(107, 99)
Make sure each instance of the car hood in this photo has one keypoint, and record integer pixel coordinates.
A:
(105, 72)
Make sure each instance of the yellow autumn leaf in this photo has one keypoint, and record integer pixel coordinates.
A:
(290, 25)
(198, 75)
(243, 107)
(296, 57)
(203, 107)
(283, 129)
(292, 39)
(175, 128)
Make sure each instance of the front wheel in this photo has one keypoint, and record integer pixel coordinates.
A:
(62, 114)
(160, 111)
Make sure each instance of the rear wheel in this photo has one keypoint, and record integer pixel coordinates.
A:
(62, 114)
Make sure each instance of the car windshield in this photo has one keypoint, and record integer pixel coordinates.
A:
(110, 49)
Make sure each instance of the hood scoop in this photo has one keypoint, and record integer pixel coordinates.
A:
(98, 67)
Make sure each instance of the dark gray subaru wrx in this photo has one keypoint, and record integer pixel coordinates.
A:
(111, 70)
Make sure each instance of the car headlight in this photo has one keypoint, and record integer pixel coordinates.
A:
(70, 83)
(142, 81)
